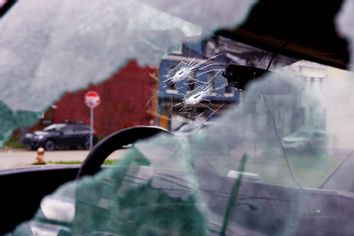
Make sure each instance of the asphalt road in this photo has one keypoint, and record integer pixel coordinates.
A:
(21, 158)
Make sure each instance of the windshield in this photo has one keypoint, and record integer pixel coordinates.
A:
(254, 141)
(52, 128)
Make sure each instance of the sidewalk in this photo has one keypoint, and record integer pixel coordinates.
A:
(21, 158)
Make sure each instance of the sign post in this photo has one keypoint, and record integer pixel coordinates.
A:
(92, 100)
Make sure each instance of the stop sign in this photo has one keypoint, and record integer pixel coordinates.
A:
(92, 99)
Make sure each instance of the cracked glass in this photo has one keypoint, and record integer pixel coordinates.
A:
(268, 157)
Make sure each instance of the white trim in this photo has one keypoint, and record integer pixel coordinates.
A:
(172, 91)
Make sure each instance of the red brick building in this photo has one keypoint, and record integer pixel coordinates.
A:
(127, 99)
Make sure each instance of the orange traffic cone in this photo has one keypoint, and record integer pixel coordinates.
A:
(40, 156)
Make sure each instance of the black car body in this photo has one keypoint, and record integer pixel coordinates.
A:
(59, 135)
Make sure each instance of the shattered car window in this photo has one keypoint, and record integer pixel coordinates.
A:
(273, 156)
(70, 45)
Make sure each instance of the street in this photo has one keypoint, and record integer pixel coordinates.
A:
(21, 158)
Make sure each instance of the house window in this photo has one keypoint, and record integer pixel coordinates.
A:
(192, 82)
(212, 82)
(171, 86)
(191, 85)
(229, 91)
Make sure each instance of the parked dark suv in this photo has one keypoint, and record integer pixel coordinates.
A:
(60, 136)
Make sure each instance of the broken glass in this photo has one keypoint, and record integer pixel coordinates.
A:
(67, 45)
(217, 182)
(263, 168)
